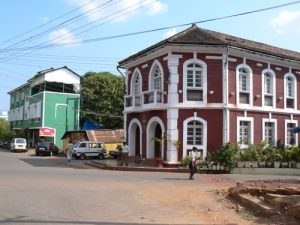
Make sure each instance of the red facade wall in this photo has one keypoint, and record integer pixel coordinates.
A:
(257, 120)
(145, 72)
(214, 119)
(214, 75)
(144, 118)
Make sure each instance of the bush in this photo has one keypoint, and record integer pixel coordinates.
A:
(274, 154)
(295, 154)
(227, 155)
(185, 161)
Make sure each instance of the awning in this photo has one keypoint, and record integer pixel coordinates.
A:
(295, 129)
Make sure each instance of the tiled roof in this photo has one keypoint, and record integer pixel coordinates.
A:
(199, 36)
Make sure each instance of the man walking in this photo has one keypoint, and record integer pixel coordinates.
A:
(192, 165)
(70, 151)
(124, 157)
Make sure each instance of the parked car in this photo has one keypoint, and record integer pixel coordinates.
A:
(18, 144)
(84, 149)
(46, 148)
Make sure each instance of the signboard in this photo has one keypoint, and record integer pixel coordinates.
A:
(46, 132)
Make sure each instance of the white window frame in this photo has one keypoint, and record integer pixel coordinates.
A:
(204, 80)
(274, 121)
(286, 132)
(204, 143)
(273, 92)
(250, 74)
(247, 119)
(156, 64)
(136, 73)
(286, 76)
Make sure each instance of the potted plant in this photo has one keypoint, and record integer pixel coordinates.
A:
(275, 157)
(295, 156)
(286, 158)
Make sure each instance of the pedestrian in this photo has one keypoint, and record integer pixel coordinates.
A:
(192, 164)
(124, 157)
(70, 151)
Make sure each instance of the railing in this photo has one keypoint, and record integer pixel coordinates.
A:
(145, 99)
(152, 97)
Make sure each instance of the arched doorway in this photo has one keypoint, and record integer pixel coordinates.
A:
(155, 138)
(134, 138)
(158, 141)
(137, 141)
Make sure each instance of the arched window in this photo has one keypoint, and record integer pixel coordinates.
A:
(268, 85)
(136, 89)
(157, 79)
(244, 86)
(194, 81)
(290, 91)
(194, 133)
(137, 84)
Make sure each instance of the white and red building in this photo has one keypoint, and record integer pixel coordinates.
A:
(203, 88)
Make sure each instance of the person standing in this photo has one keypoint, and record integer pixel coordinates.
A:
(124, 157)
(70, 151)
(192, 164)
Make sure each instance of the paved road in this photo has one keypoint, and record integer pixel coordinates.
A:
(49, 190)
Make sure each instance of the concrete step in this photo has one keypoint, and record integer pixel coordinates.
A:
(257, 205)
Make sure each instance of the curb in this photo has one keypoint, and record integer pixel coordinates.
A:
(103, 166)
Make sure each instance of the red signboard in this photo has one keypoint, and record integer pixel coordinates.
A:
(46, 132)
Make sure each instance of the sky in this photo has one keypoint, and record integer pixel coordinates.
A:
(37, 35)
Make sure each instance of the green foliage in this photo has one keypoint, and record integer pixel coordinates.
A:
(185, 161)
(227, 155)
(119, 148)
(274, 154)
(5, 132)
(102, 99)
(295, 154)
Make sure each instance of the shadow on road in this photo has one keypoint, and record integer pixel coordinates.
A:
(20, 220)
(50, 162)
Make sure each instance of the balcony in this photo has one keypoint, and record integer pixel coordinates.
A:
(145, 100)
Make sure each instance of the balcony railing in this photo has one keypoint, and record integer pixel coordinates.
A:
(146, 99)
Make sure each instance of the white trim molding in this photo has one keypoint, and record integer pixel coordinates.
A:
(273, 89)
(248, 119)
(151, 74)
(204, 80)
(131, 136)
(269, 120)
(237, 77)
(286, 76)
(286, 132)
(204, 143)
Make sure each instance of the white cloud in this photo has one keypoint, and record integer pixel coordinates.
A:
(62, 36)
(45, 19)
(286, 22)
(155, 7)
(170, 33)
(119, 11)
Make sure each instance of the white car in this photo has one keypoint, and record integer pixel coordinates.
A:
(84, 149)
(18, 144)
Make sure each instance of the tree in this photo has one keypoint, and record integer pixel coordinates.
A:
(5, 132)
(102, 99)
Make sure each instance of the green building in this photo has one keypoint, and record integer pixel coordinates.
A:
(47, 106)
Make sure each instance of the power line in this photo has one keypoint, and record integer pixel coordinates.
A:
(56, 26)
(44, 24)
(154, 30)
(117, 16)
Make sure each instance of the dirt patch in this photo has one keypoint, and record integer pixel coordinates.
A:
(276, 200)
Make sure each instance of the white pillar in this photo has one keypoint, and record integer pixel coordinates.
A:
(172, 111)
